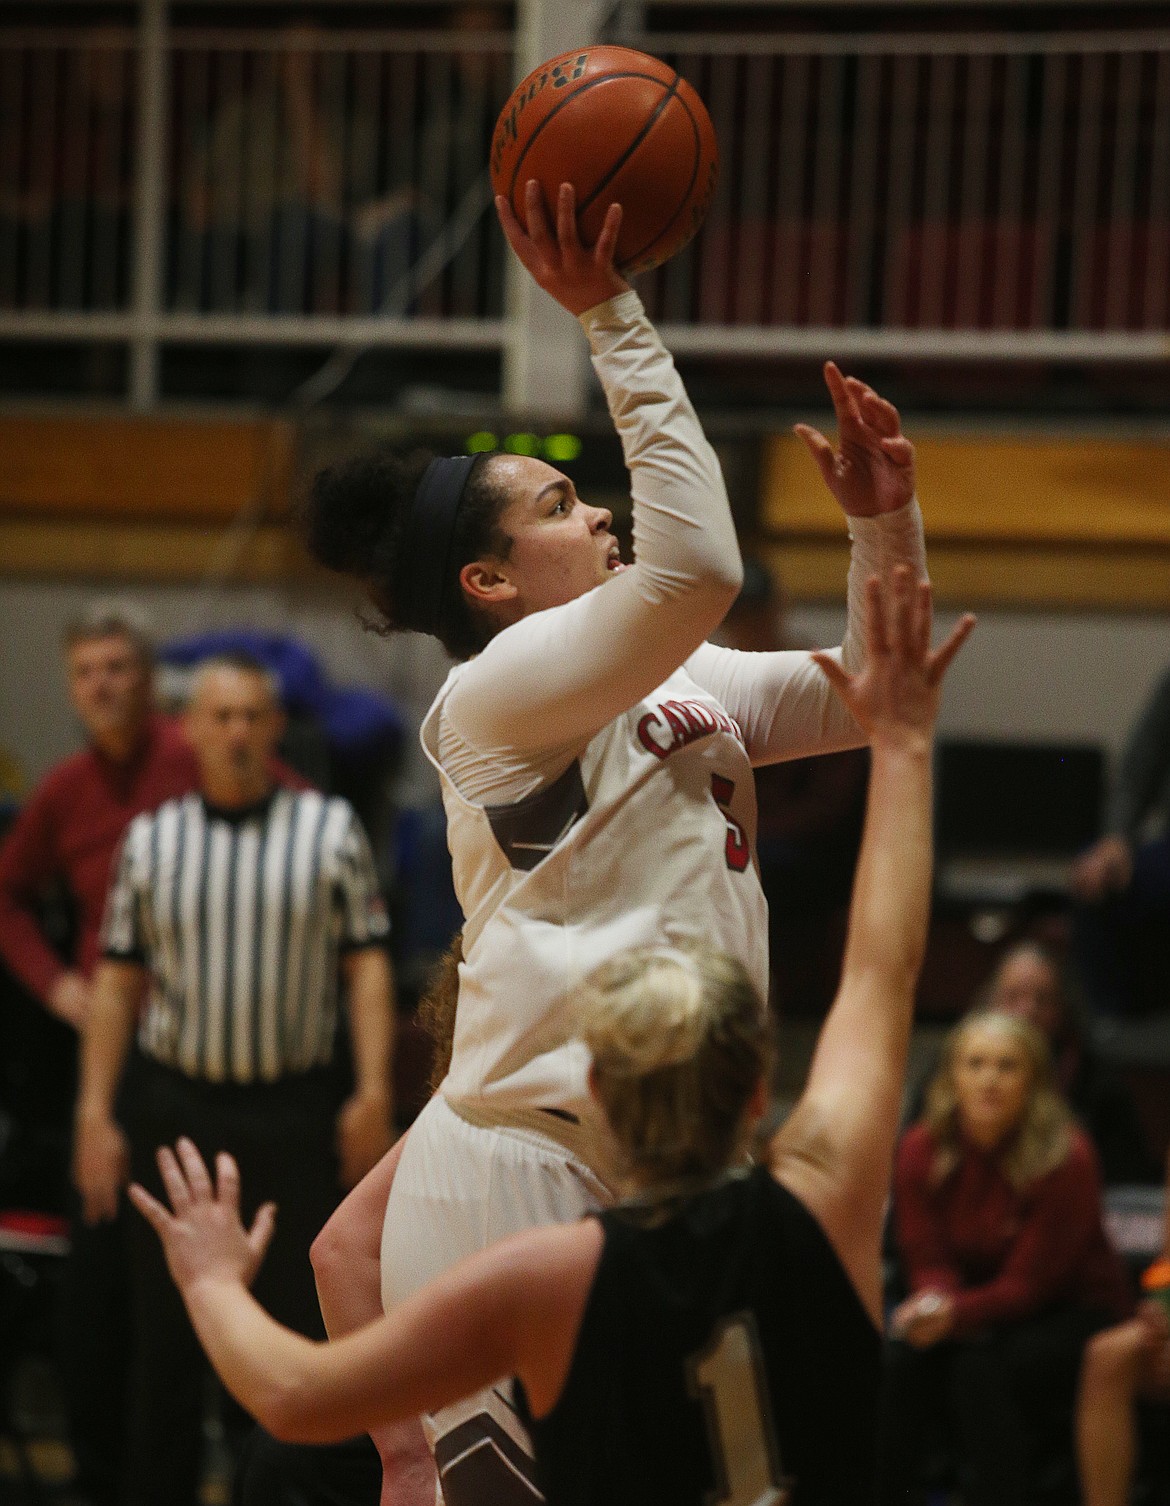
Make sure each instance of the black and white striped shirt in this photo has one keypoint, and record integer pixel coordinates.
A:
(240, 918)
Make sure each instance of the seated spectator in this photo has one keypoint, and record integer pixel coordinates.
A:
(1123, 1365)
(997, 1206)
(1032, 983)
(1123, 880)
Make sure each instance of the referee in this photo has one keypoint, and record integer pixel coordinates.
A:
(233, 916)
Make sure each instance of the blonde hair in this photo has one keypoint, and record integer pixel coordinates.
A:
(1043, 1137)
(679, 1039)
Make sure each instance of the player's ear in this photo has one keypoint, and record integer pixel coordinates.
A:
(485, 582)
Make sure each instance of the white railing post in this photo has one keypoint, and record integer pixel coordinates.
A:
(545, 370)
(149, 202)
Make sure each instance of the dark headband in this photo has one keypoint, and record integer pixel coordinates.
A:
(427, 540)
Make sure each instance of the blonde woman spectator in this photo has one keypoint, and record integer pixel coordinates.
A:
(997, 1202)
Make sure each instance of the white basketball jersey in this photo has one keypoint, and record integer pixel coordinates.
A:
(647, 838)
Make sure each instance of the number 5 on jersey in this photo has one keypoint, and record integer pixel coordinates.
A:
(738, 851)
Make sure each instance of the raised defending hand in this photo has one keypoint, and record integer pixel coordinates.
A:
(579, 277)
(203, 1238)
(872, 469)
(894, 697)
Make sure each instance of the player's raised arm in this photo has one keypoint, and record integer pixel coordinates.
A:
(835, 1150)
(559, 676)
(782, 702)
(508, 1310)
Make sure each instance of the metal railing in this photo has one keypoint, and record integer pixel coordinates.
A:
(976, 195)
(957, 195)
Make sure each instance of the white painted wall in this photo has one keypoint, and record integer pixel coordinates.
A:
(1040, 676)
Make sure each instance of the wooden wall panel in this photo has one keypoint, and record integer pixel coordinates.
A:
(1043, 522)
(122, 467)
(109, 498)
(100, 550)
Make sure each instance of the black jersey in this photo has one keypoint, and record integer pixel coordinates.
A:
(724, 1359)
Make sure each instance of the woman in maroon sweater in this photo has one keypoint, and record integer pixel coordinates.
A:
(997, 1205)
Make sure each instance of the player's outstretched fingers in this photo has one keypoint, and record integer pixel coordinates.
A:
(194, 1169)
(844, 401)
(837, 677)
(820, 449)
(227, 1181)
(877, 632)
(898, 450)
(173, 1179)
(923, 620)
(606, 244)
(536, 214)
(567, 237)
(516, 235)
(262, 1230)
(158, 1217)
(902, 605)
(940, 660)
(878, 411)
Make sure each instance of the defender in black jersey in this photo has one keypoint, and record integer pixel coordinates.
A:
(723, 1356)
(714, 1339)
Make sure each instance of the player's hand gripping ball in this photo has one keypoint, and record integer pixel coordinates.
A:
(621, 127)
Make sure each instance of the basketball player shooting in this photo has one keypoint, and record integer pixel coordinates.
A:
(717, 1336)
(595, 755)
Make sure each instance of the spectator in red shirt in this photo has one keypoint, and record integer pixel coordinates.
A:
(67, 835)
(70, 827)
(997, 1206)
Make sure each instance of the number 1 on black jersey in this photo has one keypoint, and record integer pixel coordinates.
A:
(728, 1378)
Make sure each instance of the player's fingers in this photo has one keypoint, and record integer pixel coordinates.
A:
(879, 413)
(606, 245)
(832, 671)
(923, 619)
(844, 402)
(536, 213)
(173, 1179)
(899, 450)
(194, 1169)
(511, 225)
(877, 640)
(515, 234)
(263, 1227)
(902, 614)
(227, 1181)
(567, 237)
(819, 448)
(940, 660)
(151, 1209)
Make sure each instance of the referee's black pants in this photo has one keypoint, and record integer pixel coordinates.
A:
(282, 1136)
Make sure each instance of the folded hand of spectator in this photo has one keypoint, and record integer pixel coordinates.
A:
(1102, 869)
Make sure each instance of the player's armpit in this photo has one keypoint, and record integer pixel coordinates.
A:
(845, 1197)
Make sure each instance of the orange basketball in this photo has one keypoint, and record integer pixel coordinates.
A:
(619, 126)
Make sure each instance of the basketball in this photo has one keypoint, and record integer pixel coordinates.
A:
(622, 127)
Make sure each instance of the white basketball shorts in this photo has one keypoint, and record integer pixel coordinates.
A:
(458, 1188)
